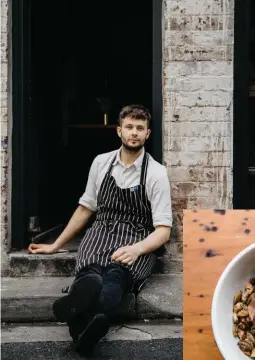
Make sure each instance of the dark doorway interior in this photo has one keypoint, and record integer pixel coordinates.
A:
(73, 53)
(244, 105)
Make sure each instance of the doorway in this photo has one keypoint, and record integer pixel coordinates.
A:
(244, 106)
(68, 57)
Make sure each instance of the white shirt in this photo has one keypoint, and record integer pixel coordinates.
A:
(157, 184)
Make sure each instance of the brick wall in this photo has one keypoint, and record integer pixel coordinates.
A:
(4, 132)
(198, 91)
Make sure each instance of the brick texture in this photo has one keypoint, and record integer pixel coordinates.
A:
(198, 95)
(4, 132)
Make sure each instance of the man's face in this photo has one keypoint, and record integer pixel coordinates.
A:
(133, 133)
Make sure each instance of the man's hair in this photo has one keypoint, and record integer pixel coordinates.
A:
(138, 112)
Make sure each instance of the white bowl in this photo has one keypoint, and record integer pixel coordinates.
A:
(233, 279)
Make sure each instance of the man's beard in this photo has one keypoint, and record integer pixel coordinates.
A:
(133, 149)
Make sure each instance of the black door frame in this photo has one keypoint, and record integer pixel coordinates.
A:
(21, 113)
(22, 135)
(240, 109)
(157, 97)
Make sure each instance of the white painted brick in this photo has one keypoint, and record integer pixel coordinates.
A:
(3, 97)
(173, 38)
(211, 143)
(198, 53)
(213, 22)
(216, 68)
(195, 83)
(4, 162)
(4, 70)
(199, 39)
(194, 158)
(3, 180)
(209, 203)
(221, 68)
(196, 7)
(212, 189)
(183, 189)
(198, 174)
(179, 23)
(205, 189)
(3, 101)
(4, 128)
(4, 84)
(216, 38)
(202, 143)
(199, 22)
(203, 68)
(3, 114)
(180, 68)
(198, 129)
(205, 98)
(202, 114)
(4, 10)
(171, 99)
(176, 144)
(4, 35)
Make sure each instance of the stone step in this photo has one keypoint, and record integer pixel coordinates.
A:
(136, 340)
(31, 299)
(62, 264)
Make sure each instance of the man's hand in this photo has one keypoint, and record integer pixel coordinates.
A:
(126, 254)
(42, 249)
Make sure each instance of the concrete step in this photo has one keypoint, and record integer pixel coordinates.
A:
(31, 299)
(151, 341)
(62, 264)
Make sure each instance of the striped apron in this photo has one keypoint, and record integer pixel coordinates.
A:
(123, 218)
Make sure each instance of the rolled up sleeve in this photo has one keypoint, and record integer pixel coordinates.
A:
(89, 197)
(161, 204)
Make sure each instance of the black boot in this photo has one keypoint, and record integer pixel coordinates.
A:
(77, 326)
(96, 329)
(83, 294)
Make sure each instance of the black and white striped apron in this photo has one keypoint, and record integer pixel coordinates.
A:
(123, 218)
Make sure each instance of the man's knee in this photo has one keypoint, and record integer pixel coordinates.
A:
(90, 269)
(109, 297)
(95, 281)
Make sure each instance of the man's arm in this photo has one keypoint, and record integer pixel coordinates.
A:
(129, 254)
(156, 239)
(76, 223)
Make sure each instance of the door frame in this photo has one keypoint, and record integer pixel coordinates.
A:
(157, 96)
(20, 114)
(22, 134)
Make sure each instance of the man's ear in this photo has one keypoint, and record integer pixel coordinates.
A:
(119, 131)
(148, 133)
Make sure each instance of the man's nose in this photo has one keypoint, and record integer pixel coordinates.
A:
(134, 131)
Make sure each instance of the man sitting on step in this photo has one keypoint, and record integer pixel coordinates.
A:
(130, 193)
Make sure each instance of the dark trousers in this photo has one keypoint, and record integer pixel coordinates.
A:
(116, 280)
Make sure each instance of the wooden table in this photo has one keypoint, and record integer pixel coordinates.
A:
(211, 240)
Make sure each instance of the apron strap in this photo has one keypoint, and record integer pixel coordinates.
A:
(144, 169)
(111, 165)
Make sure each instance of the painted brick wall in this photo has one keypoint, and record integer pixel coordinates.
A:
(198, 91)
(4, 132)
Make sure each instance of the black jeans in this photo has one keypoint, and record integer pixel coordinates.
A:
(116, 280)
